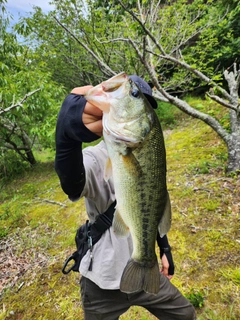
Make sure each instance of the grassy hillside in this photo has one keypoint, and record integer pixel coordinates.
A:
(38, 223)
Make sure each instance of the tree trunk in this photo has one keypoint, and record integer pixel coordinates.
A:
(15, 132)
(234, 144)
(30, 157)
(28, 149)
(233, 80)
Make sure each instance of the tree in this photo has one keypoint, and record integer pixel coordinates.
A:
(72, 51)
(163, 41)
(28, 98)
(147, 21)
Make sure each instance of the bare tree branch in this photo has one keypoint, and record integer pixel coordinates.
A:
(147, 31)
(221, 101)
(168, 57)
(13, 128)
(182, 105)
(105, 69)
(233, 79)
(196, 72)
(19, 104)
(7, 145)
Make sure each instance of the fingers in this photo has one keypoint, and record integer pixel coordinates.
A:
(92, 110)
(81, 90)
(92, 116)
(89, 108)
(165, 273)
(96, 127)
(93, 123)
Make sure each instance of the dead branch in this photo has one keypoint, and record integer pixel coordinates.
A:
(52, 202)
(201, 189)
(194, 229)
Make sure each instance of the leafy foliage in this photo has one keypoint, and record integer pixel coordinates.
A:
(192, 29)
(29, 99)
(196, 298)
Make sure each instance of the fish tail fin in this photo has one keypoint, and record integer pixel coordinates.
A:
(137, 277)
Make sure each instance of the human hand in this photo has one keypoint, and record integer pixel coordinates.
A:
(92, 116)
(167, 266)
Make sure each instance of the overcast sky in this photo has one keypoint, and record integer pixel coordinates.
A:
(21, 7)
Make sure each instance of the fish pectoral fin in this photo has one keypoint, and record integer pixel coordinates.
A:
(137, 277)
(108, 170)
(132, 164)
(119, 226)
(166, 220)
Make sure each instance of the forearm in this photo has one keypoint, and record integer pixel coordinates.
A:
(70, 169)
(165, 253)
(70, 133)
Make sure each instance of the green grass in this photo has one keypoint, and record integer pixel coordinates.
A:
(38, 223)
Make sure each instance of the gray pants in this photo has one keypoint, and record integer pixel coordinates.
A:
(168, 304)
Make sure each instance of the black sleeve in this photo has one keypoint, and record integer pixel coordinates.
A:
(70, 133)
(162, 242)
(166, 249)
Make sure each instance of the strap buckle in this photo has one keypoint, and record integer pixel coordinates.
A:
(72, 257)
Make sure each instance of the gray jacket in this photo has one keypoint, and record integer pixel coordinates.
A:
(110, 253)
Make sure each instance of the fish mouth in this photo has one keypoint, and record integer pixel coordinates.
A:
(114, 83)
(99, 94)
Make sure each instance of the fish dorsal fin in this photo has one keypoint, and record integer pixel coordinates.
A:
(119, 226)
(165, 222)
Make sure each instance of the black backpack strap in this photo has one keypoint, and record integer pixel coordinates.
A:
(87, 235)
(103, 221)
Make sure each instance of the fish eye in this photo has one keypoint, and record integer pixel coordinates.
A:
(135, 93)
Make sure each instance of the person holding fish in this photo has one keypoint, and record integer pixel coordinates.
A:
(120, 269)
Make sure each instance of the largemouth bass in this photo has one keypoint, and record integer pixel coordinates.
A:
(137, 162)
